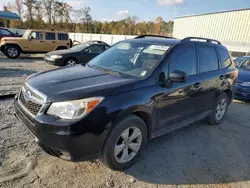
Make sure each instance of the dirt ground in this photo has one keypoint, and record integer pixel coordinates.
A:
(199, 155)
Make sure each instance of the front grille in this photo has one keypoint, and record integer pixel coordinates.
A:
(31, 106)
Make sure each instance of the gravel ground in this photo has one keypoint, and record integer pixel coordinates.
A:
(199, 155)
(14, 72)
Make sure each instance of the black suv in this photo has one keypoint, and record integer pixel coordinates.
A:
(137, 90)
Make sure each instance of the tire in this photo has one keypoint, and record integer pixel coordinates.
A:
(12, 51)
(219, 110)
(70, 61)
(133, 126)
(61, 48)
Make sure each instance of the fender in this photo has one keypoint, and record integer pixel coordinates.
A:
(11, 43)
(145, 113)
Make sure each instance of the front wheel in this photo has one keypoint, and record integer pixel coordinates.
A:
(220, 109)
(125, 143)
(12, 51)
(71, 62)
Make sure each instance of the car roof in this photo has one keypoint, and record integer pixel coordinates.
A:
(37, 30)
(155, 40)
(168, 41)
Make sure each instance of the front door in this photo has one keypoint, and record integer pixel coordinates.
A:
(179, 101)
(50, 41)
(36, 42)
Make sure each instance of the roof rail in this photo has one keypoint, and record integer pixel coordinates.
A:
(144, 36)
(200, 38)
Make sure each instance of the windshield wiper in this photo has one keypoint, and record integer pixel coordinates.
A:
(106, 70)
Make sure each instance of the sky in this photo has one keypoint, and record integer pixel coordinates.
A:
(148, 10)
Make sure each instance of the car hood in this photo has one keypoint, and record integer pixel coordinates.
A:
(12, 39)
(61, 52)
(77, 82)
(243, 75)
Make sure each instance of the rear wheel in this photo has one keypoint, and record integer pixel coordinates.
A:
(125, 143)
(71, 62)
(12, 51)
(220, 109)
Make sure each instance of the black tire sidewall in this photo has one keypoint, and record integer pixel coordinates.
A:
(11, 57)
(213, 119)
(108, 157)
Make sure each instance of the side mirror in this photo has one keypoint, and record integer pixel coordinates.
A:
(178, 76)
(31, 37)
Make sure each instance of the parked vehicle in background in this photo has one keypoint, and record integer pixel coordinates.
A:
(7, 33)
(240, 60)
(34, 42)
(243, 81)
(137, 90)
(81, 53)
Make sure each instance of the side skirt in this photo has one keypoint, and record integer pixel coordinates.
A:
(180, 125)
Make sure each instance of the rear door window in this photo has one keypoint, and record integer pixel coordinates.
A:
(63, 36)
(183, 59)
(208, 59)
(50, 36)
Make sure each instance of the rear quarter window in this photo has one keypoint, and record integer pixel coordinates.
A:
(63, 36)
(225, 57)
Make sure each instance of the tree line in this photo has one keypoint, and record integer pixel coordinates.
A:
(58, 15)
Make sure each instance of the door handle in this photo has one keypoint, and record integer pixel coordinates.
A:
(53, 42)
(41, 41)
(197, 86)
(222, 77)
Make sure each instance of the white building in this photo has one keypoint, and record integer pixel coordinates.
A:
(231, 28)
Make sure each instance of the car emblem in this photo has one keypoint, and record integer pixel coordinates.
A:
(27, 95)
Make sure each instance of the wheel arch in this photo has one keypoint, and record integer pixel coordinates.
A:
(140, 111)
(62, 47)
(14, 44)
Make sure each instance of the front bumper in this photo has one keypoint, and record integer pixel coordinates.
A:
(56, 62)
(242, 92)
(57, 139)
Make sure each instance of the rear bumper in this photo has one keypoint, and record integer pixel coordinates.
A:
(57, 140)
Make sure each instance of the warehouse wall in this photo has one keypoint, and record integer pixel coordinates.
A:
(232, 27)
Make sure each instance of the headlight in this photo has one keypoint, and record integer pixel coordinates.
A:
(245, 84)
(56, 56)
(73, 110)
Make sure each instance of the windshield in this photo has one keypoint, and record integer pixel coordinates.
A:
(79, 47)
(26, 34)
(136, 59)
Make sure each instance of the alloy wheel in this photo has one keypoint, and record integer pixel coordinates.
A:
(221, 109)
(12, 52)
(70, 63)
(128, 145)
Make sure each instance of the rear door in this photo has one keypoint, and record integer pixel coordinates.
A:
(212, 75)
(50, 41)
